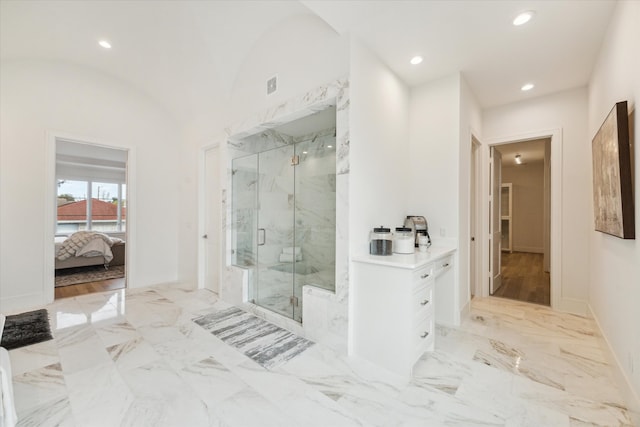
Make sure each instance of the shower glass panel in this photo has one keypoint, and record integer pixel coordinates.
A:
(284, 218)
(245, 212)
(315, 213)
(274, 284)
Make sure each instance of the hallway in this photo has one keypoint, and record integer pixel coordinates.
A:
(523, 278)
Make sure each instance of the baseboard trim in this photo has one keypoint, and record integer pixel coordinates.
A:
(465, 311)
(573, 306)
(528, 249)
(21, 302)
(629, 395)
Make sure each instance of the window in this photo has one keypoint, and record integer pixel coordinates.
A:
(89, 205)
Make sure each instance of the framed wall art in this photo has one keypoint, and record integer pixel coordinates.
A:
(612, 181)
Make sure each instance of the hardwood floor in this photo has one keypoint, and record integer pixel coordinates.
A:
(523, 278)
(88, 288)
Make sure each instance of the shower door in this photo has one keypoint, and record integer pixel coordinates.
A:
(274, 283)
(284, 210)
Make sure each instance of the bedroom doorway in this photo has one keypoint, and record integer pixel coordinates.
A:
(90, 219)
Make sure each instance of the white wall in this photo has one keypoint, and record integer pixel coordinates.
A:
(614, 272)
(379, 149)
(434, 144)
(443, 116)
(303, 51)
(38, 96)
(567, 111)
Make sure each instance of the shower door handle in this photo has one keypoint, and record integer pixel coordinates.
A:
(262, 236)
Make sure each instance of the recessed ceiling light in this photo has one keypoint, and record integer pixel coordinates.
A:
(523, 18)
(105, 44)
(329, 146)
(527, 87)
(416, 60)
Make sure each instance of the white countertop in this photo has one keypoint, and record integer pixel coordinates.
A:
(408, 261)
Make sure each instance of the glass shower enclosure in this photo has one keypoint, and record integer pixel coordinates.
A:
(284, 219)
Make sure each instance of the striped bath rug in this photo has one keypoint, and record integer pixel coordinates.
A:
(264, 342)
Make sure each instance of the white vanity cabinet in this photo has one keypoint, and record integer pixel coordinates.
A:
(394, 308)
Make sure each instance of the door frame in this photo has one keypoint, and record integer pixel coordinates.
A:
(50, 198)
(202, 211)
(555, 254)
(475, 226)
(495, 219)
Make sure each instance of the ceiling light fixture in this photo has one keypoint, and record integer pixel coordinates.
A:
(518, 159)
(105, 44)
(416, 60)
(523, 18)
(527, 87)
(329, 146)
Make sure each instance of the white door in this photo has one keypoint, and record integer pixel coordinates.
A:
(212, 219)
(495, 222)
(473, 215)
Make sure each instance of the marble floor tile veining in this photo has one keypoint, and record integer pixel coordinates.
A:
(140, 358)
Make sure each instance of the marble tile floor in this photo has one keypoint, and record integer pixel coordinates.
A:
(136, 358)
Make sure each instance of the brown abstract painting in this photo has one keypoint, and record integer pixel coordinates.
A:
(612, 189)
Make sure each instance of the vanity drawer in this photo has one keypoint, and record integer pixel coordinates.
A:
(423, 338)
(422, 301)
(423, 276)
(442, 265)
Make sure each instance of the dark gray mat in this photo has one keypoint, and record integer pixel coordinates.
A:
(25, 329)
(265, 343)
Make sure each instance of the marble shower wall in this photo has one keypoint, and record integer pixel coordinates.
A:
(315, 208)
(324, 312)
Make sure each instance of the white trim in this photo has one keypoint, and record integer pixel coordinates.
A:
(477, 179)
(528, 249)
(557, 302)
(629, 395)
(19, 303)
(50, 197)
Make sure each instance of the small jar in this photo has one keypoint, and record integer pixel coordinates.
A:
(423, 243)
(403, 241)
(381, 241)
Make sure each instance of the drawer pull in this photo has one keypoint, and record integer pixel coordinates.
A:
(424, 302)
(424, 334)
(445, 265)
(424, 276)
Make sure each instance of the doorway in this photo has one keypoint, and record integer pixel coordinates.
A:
(90, 218)
(523, 215)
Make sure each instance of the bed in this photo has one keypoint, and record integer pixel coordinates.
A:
(92, 257)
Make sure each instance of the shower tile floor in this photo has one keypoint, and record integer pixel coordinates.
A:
(136, 358)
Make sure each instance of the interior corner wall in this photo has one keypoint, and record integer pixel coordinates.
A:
(614, 264)
(470, 126)
(41, 96)
(434, 155)
(378, 154)
(568, 111)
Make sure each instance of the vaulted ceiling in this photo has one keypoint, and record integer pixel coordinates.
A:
(186, 54)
